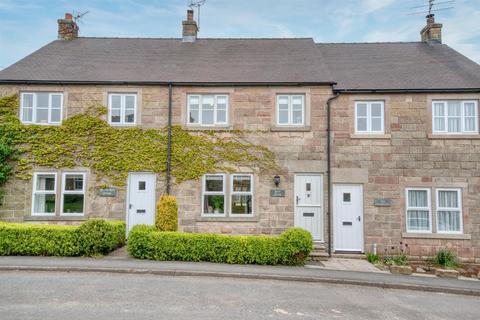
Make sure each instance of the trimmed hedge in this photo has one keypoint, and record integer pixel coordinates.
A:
(94, 237)
(292, 247)
(167, 214)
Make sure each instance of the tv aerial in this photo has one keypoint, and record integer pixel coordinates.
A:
(433, 6)
(198, 4)
(77, 16)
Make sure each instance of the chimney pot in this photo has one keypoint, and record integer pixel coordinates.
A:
(67, 28)
(189, 15)
(68, 16)
(190, 28)
(432, 32)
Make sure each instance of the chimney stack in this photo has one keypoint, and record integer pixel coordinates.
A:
(190, 28)
(67, 28)
(432, 32)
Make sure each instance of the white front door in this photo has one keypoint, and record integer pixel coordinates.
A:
(309, 204)
(348, 217)
(140, 199)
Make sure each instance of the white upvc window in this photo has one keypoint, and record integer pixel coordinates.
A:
(213, 195)
(41, 107)
(455, 117)
(241, 196)
(122, 109)
(44, 194)
(73, 193)
(418, 210)
(449, 211)
(369, 117)
(290, 110)
(207, 109)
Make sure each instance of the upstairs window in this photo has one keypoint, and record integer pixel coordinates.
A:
(207, 109)
(41, 107)
(455, 117)
(369, 117)
(122, 109)
(290, 110)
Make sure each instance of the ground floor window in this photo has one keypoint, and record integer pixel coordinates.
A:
(71, 195)
(448, 209)
(236, 201)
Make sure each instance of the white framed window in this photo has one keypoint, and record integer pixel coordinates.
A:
(73, 193)
(213, 195)
(122, 109)
(369, 117)
(241, 195)
(418, 210)
(455, 117)
(290, 110)
(44, 194)
(41, 107)
(207, 109)
(449, 210)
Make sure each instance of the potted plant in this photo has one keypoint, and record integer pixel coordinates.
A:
(217, 203)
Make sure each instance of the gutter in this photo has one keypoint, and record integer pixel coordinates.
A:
(458, 90)
(329, 170)
(169, 139)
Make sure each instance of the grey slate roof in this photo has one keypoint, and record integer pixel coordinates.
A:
(171, 60)
(399, 66)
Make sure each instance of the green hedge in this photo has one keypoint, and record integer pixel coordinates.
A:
(292, 247)
(94, 237)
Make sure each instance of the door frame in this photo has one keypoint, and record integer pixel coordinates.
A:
(362, 207)
(322, 201)
(127, 204)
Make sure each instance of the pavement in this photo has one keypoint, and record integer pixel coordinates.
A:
(83, 296)
(120, 263)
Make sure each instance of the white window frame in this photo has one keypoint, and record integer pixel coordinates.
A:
(460, 209)
(215, 123)
(64, 192)
(407, 208)
(462, 126)
(369, 117)
(290, 110)
(35, 192)
(122, 109)
(232, 193)
(35, 107)
(224, 193)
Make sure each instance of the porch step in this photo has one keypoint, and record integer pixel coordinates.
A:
(350, 256)
(319, 252)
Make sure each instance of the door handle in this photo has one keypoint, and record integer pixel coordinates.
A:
(298, 198)
(359, 218)
(130, 206)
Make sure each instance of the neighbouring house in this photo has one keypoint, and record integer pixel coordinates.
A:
(375, 144)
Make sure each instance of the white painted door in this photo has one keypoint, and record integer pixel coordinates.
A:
(309, 204)
(348, 218)
(140, 199)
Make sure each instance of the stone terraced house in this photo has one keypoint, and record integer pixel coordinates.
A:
(377, 144)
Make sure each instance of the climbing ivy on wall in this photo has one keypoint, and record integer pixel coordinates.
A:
(89, 141)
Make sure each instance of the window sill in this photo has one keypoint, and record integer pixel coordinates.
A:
(370, 136)
(227, 219)
(207, 128)
(436, 236)
(290, 128)
(55, 218)
(453, 136)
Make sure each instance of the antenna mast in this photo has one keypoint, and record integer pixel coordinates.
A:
(197, 4)
(432, 6)
(78, 16)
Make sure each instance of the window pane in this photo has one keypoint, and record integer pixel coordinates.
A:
(207, 102)
(116, 101)
(214, 204)
(297, 101)
(56, 114)
(42, 100)
(129, 116)
(45, 183)
(448, 199)
(454, 108)
(362, 109)
(42, 116)
(438, 109)
(44, 203)
(470, 109)
(376, 110)
(27, 100)
(439, 124)
(242, 183)
(454, 124)
(73, 182)
(73, 203)
(241, 204)
(194, 116)
(376, 124)
(470, 124)
(193, 100)
(283, 116)
(297, 117)
(221, 116)
(207, 116)
(283, 101)
(418, 220)
(418, 198)
(221, 101)
(361, 124)
(130, 102)
(56, 101)
(115, 116)
(214, 183)
(27, 114)
(449, 221)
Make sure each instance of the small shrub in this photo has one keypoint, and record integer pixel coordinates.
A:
(167, 214)
(373, 257)
(292, 247)
(97, 236)
(398, 260)
(446, 258)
